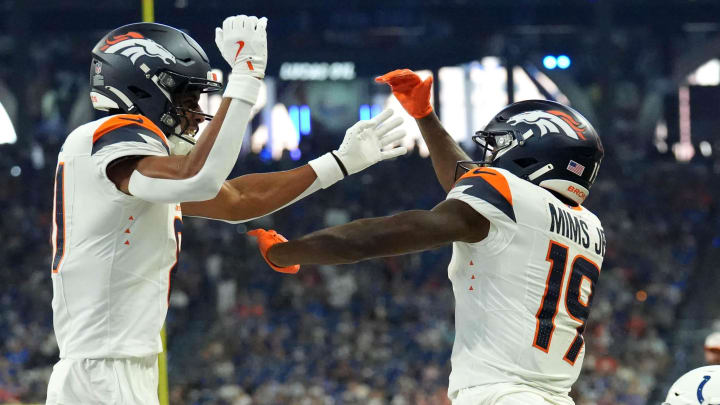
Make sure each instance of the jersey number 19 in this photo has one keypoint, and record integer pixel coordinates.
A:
(577, 308)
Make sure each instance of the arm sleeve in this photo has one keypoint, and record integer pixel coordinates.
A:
(206, 184)
(487, 191)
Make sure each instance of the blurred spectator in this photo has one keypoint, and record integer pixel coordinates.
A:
(712, 349)
(378, 332)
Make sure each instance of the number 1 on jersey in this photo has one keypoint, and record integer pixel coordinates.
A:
(59, 218)
(557, 256)
(577, 308)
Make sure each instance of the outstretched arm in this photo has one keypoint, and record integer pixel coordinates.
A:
(414, 95)
(200, 175)
(254, 195)
(406, 232)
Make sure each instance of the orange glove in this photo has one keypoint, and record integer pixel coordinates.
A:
(266, 239)
(412, 93)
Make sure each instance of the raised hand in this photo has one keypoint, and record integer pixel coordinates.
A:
(363, 144)
(242, 41)
(412, 92)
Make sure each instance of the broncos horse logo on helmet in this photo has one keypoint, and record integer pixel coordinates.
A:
(550, 122)
(546, 143)
(134, 45)
(147, 68)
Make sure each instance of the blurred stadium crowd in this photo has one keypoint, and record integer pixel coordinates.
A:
(378, 332)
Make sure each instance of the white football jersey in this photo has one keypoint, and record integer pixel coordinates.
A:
(112, 253)
(523, 294)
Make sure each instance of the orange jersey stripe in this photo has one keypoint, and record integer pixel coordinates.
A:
(121, 120)
(494, 178)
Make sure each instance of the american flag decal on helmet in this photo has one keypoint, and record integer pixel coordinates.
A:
(576, 167)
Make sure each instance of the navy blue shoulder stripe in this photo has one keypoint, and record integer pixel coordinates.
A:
(481, 188)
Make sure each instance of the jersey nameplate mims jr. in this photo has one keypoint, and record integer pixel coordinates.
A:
(524, 293)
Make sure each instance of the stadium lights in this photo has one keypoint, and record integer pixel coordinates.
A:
(367, 111)
(551, 62)
(300, 117)
(364, 112)
(563, 61)
(294, 113)
(304, 120)
(7, 131)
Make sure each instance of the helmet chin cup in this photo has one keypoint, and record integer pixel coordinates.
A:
(181, 145)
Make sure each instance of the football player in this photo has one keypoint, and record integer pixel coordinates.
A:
(526, 254)
(124, 182)
(697, 387)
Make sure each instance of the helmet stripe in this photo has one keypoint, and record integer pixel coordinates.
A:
(120, 38)
(576, 126)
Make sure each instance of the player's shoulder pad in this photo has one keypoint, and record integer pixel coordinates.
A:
(127, 128)
(490, 185)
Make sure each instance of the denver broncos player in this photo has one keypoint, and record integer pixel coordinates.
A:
(526, 254)
(123, 183)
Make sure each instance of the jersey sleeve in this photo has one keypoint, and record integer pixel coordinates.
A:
(488, 192)
(127, 135)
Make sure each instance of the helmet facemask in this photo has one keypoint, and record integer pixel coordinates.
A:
(178, 88)
(145, 68)
(544, 142)
(491, 144)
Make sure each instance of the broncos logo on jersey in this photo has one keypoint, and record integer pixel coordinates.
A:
(556, 122)
(134, 45)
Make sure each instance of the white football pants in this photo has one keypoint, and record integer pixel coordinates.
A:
(508, 395)
(128, 381)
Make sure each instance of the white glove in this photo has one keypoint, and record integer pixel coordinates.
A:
(242, 41)
(362, 147)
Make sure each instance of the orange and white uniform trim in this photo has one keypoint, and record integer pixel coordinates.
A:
(113, 252)
(523, 294)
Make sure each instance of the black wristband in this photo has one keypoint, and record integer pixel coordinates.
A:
(342, 166)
